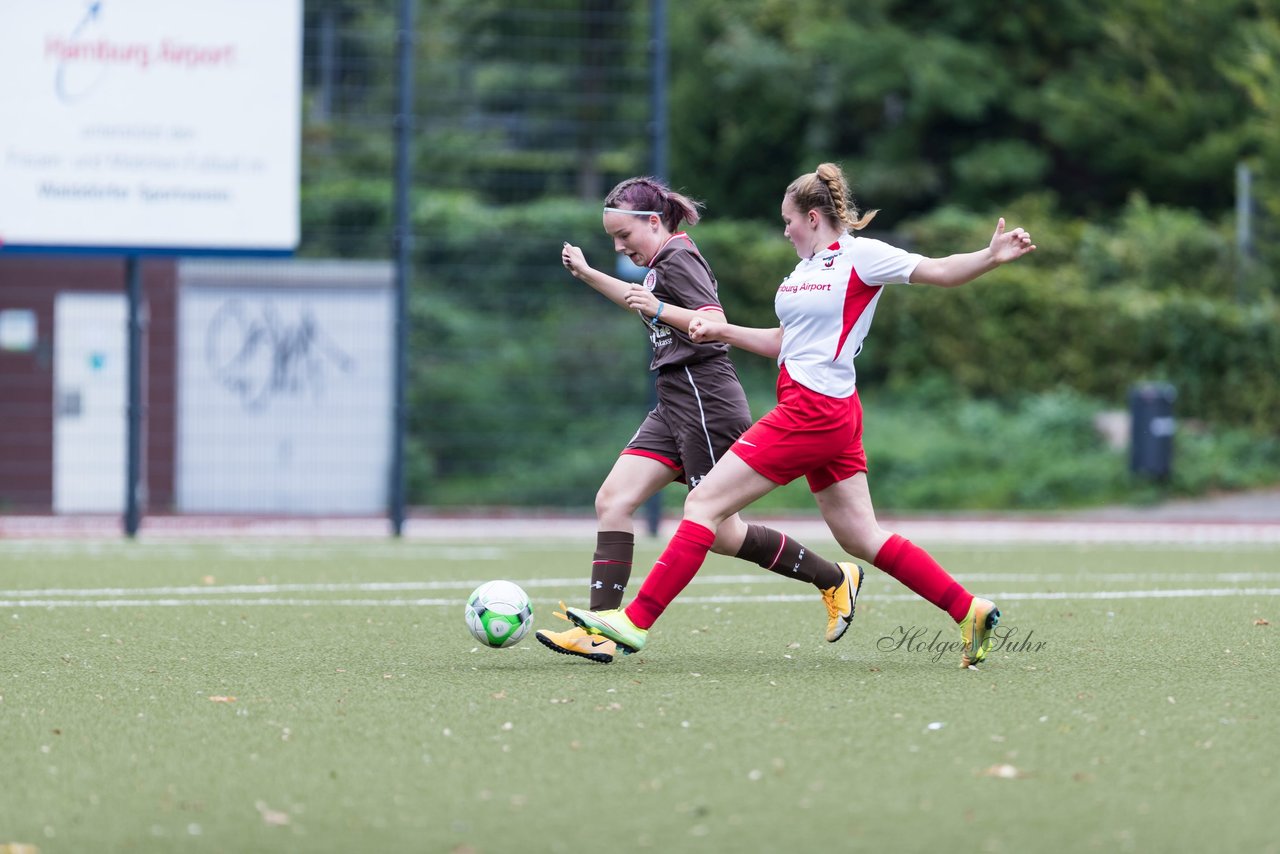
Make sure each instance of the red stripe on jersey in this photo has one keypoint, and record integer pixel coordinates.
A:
(857, 295)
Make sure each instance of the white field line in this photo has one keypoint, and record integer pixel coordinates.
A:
(693, 600)
(210, 590)
(309, 551)
(1010, 596)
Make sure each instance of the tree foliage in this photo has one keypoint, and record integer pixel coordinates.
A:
(1112, 131)
(935, 102)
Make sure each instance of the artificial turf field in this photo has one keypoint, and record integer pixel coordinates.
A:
(251, 696)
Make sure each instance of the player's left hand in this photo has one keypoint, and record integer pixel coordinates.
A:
(1009, 245)
(642, 300)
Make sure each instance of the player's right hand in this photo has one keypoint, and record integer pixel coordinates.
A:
(704, 329)
(573, 259)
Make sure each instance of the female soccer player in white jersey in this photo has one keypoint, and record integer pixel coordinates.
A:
(701, 410)
(825, 308)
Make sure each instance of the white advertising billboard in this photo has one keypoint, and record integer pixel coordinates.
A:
(285, 386)
(161, 125)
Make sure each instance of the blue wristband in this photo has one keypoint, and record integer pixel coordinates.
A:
(658, 313)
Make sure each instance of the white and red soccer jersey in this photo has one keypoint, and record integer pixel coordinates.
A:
(826, 306)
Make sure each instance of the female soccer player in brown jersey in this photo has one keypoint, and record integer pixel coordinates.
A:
(701, 411)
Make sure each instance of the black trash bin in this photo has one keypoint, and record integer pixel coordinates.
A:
(1151, 433)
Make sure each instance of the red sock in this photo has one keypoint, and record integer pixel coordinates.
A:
(676, 567)
(913, 566)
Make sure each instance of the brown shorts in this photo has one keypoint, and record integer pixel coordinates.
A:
(701, 411)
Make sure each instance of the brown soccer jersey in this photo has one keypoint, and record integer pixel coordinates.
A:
(680, 276)
(702, 408)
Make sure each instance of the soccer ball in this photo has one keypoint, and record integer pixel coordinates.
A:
(499, 613)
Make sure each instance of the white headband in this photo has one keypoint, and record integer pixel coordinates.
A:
(637, 213)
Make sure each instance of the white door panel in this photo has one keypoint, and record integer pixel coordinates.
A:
(90, 403)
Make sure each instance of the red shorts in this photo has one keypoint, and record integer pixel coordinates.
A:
(808, 434)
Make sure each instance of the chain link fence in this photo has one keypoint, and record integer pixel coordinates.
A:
(268, 385)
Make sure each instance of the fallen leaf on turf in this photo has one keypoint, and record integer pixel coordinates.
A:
(275, 818)
(1261, 622)
(220, 699)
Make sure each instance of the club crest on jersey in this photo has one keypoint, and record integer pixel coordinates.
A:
(650, 280)
(830, 260)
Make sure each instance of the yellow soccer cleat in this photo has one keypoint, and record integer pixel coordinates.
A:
(614, 625)
(841, 599)
(975, 631)
(575, 641)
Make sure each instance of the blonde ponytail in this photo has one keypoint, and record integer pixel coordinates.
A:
(827, 192)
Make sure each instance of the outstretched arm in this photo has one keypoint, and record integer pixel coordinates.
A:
(764, 342)
(576, 263)
(631, 296)
(954, 270)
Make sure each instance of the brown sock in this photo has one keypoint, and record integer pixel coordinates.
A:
(611, 568)
(777, 552)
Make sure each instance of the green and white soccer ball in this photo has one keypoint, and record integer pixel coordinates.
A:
(499, 613)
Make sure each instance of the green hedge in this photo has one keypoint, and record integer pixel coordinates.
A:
(1097, 308)
(1008, 334)
(523, 383)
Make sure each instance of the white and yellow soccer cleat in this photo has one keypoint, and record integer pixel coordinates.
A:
(841, 599)
(576, 641)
